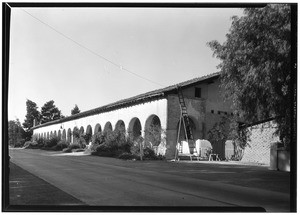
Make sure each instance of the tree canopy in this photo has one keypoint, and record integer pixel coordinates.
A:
(16, 134)
(32, 114)
(256, 65)
(75, 110)
(50, 112)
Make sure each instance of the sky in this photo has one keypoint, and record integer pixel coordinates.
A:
(95, 56)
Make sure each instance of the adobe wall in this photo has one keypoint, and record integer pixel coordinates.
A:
(196, 111)
(258, 149)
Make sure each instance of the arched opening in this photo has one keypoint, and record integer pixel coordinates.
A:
(182, 135)
(48, 136)
(59, 135)
(107, 127)
(134, 129)
(64, 136)
(81, 130)
(51, 134)
(152, 131)
(75, 134)
(97, 128)
(69, 135)
(120, 128)
(54, 134)
(88, 134)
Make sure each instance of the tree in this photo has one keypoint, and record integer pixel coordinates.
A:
(50, 112)
(16, 134)
(32, 114)
(75, 110)
(256, 65)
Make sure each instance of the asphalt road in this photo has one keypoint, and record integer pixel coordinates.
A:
(112, 182)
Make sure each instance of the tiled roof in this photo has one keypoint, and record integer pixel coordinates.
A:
(159, 93)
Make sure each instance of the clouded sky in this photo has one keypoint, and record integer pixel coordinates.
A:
(95, 56)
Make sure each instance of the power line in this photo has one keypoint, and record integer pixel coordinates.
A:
(91, 51)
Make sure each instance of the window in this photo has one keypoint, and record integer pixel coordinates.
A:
(197, 92)
(212, 111)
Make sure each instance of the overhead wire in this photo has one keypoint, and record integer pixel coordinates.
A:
(91, 51)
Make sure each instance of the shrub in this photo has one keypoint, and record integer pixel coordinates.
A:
(67, 150)
(149, 154)
(128, 156)
(41, 142)
(105, 150)
(31, 145)
(74, 146)
(78, 150)
(52, 142)
(60, 146)
(98, 138)
(70, 148)
(19, 143)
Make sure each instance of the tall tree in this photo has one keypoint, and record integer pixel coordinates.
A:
(32, 114)
(50, 112)
(16, 134)
(75, 110)
(256, 65)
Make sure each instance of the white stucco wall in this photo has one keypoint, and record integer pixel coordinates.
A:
(141, 111)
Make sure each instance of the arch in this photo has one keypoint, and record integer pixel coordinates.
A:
(134, 129)
(81, 130)
(64, 136)
(97, 128)
(152, 131)
(120, 125)
(120, 128)
(89, 130)
(89, 133)
(54, 134)
(69, 135)
(45, 135)
(182, 135)
(51, 134)
(59, 134)
(107, 126)
(75, 134)
(48, 135)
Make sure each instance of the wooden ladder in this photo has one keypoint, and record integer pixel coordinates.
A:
(185, 120)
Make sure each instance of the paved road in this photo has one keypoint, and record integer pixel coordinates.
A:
(112, 182)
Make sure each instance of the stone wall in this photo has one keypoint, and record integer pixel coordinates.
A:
(258, 149)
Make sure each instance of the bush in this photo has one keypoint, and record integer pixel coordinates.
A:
(98, 138)
(78, 150)
(41, 142)
(19, 144)
(31, 145)
(74, 146)
(106, 150)
(128, 156)
(62, 144)
(70, 148)
(52, 142)
(67, 150)
(149, 154)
